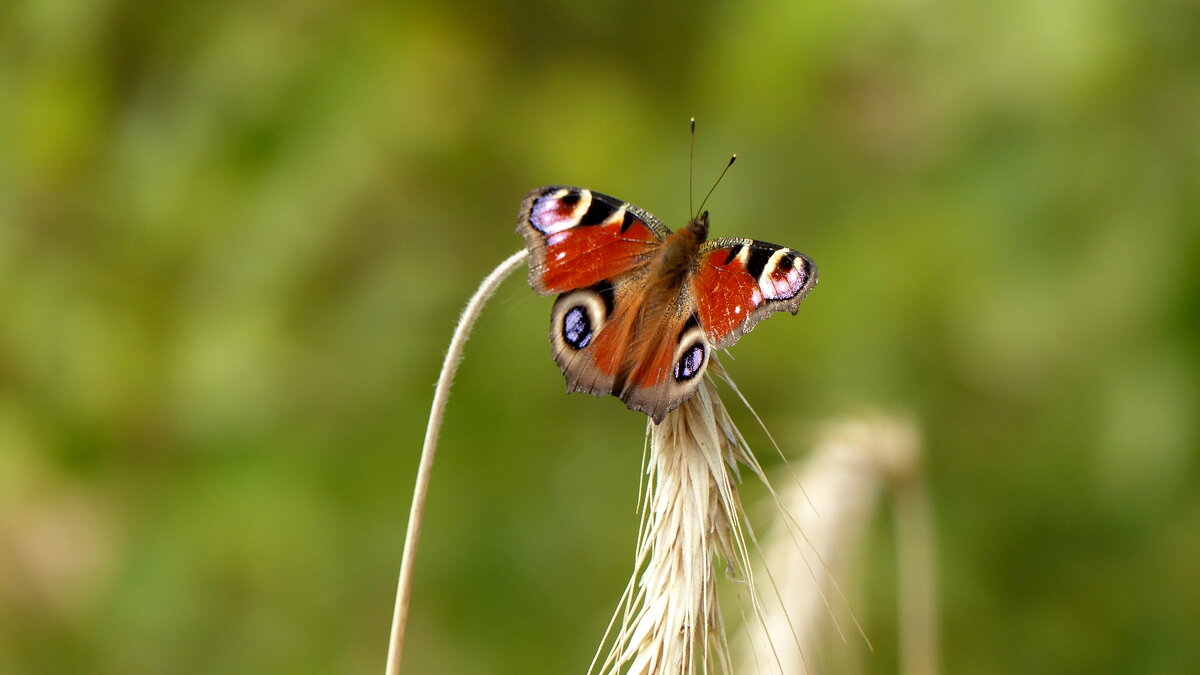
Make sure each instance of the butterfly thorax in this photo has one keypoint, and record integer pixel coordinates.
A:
(674, 260)
(659, 304)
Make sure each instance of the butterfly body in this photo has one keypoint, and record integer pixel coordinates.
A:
(640, 308)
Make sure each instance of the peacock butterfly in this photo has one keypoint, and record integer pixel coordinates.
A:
(640, 308)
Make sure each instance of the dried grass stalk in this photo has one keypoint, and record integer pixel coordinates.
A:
(429, 449)
(670, 621)
(814, 547)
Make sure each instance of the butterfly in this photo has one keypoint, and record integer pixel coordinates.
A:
(640, 308)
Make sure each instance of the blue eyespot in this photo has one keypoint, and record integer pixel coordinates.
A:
(688, 365)
(577, 328)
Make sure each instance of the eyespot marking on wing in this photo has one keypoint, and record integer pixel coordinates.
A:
(576, 319)
(577, 327)
(691, 355)
(780, 278)
(558, 211)
(690, 363)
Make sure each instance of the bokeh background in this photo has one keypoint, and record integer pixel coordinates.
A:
(235, 237)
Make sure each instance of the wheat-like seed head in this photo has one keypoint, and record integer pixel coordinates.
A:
(670, 621)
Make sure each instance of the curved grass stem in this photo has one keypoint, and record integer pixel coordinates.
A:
(421, 489)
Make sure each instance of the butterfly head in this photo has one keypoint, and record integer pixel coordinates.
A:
(699, 227)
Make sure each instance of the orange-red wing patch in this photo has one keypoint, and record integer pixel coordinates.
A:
(577, 237)
(726, 294)
(610, 349)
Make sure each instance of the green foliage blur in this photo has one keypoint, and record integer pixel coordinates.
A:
(235, 238)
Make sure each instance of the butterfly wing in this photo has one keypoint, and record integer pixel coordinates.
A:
(588, 335)
(739, 282)
(670, 364)
(615, 338)
(577, 238)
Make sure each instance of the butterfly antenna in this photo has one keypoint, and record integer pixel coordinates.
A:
(691, 163)
(714, 187)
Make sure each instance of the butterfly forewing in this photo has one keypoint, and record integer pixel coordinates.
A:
(577, 238)
(739, 282)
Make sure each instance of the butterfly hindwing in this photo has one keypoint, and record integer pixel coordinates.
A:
(739, 282)
(577, 320)
(577, 238)
(606, 343)
(670, 368)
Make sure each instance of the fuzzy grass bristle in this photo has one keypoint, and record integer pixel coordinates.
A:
(670, 620)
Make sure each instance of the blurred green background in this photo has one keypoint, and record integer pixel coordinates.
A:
(235, 238)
